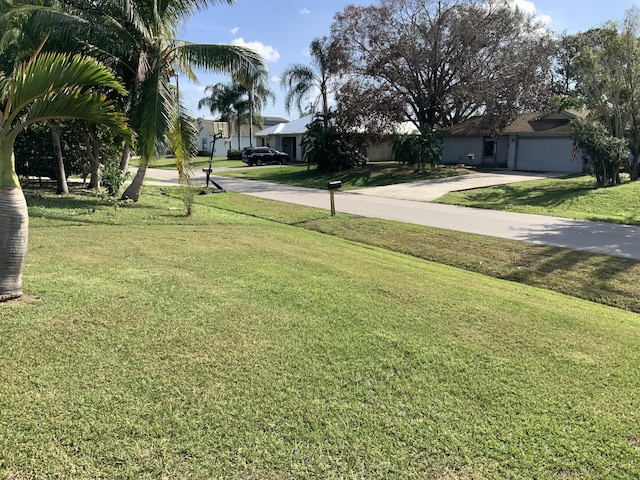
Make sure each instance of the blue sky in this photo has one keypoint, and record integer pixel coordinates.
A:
(281, 31)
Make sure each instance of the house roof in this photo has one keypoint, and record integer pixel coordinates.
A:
(269, 121)
(548, 123)
(294, 127)
(472, 127)
(299, 127)
(528, 123)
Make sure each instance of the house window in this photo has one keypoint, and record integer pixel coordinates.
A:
(489, 148)
(204, 144)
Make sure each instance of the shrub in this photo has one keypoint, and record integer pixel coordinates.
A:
(113, 178)
(331, 148)
(234, 154)
(606, 153)
(419, 150)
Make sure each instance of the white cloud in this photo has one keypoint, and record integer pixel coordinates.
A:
(305, 11)
(235, 30)
(269, 53)
(275, 79)
(525, 5)
(528, 7)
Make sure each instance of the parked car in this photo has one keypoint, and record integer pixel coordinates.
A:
(262, 155)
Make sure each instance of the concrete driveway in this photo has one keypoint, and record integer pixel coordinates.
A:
(430, 190)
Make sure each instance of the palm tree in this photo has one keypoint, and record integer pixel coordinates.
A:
(301, 81)
(256, 85)
(226, 100)
(22, 38)
(159, 57)
(48, 86)
(138, 39)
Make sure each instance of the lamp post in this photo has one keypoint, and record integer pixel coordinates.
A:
(208, 171)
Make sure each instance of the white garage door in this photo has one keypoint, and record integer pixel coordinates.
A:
(541, 154)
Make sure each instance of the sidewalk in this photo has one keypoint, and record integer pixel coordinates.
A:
(595, 237)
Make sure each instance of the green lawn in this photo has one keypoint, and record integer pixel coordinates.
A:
(226, 345)
(371, 175)
(574, 197)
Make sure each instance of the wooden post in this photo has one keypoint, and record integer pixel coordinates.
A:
(332, 187)
(333, 203)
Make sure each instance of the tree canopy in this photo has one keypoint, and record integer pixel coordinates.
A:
(439, 62)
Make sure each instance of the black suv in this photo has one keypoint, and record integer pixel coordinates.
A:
(262, 155)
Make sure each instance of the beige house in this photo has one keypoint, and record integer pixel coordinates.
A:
(287, 137)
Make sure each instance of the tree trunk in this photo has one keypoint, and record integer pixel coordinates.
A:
(126, 155)
(14, 231)
(63, 188)
(239, 134)
(91, 140)
(250, 120)
(633, 171)
(134, 190)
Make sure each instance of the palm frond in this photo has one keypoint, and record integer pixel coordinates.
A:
(50, 72)
(221, 98)
(219, 58)
(152, 116)
(296, 73)
(183, 137)
(75, 103)
(180, 10)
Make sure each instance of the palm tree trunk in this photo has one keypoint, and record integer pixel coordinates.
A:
(126, 155)
(63, 188)
(239, 135)
(14, 232)
(134, 190)
(250, 120)
(91, 140)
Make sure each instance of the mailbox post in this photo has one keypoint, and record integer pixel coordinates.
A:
(332, 187)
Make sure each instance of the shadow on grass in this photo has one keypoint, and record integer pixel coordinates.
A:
(371, 175)
(606, 279)
(549, 196)
(80, 206)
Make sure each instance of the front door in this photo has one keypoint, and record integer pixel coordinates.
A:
(489, 151)
(289, 146)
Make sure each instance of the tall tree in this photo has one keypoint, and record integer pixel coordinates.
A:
(25, 37)
(442, 61)
(138, 38)
(304, 82)
(159, 57)
(256, 85)
(608, 76)
(225, 99)
(564, 72)
(49, 86)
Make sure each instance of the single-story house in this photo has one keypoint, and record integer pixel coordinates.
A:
(535, 142)
(230, 137)
(286, 137)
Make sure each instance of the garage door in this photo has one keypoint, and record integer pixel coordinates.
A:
(540, 154)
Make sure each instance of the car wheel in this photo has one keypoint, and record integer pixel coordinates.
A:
(285, 161)
(259, 163)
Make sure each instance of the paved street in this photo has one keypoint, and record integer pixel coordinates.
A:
(408, 203)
